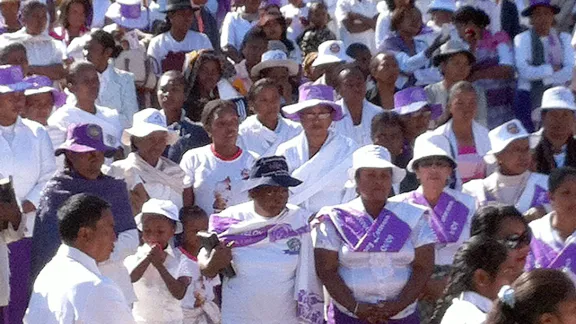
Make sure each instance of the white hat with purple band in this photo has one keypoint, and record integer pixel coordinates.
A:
(128, 14)
(43, 84)
(311, 95)
(12, 79)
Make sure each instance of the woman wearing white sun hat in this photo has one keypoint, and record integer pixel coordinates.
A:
(162, 178)
(449, 210)
(512, 183)
(374, 256)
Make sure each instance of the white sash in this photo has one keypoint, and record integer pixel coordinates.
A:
(172, 175)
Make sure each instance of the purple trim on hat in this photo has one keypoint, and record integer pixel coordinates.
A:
(311, 95)
(83, 138)
(409, 96)
(132, 11)
(10, 74)
(40, 81)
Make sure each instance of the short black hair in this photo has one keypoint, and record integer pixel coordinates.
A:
(76, 68)
(8, 49)
(29, 7)
(107, 41)
(213, 107)
(468, 14)
(558, 176)
(387, 117)
(78, 211)
(355, 48)
(258, 86)
(189, 213)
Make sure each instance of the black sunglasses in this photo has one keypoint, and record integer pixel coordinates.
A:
(515, 241)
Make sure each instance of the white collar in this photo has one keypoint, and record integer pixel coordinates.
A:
(84, 259)
(483, 303)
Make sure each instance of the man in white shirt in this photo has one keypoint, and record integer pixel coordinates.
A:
(70, 288)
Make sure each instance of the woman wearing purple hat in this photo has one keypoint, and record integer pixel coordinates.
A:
(41, 99)
(84, 152)
(25, 155)
(544, 58)
(320, 157)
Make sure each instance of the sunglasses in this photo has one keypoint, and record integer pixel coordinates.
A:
(515, 241)
(439, 163)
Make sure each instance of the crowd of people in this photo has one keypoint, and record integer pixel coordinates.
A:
(287, 161)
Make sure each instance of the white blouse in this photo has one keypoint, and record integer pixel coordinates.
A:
(234, 28)
(360, 133)
(263, 141)
(469, 308)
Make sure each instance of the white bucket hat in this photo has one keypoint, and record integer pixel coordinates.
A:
(275, 58)
(128, 14)
(373, 156)
(501, 136)
(445, 5)
(555, 99)
(332, 51)
(430, 145)
(145, 122)
(165, 208)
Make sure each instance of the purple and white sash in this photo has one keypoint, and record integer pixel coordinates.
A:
(387, 233)
(544, 256)
(448, 217)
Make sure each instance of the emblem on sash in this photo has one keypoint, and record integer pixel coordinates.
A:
(294, 246)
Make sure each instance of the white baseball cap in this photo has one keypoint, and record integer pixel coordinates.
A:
(373, 156)
(429, 145)
(501, 136)
(145, 122)
(332, 51)
(275, 58)
(555, 99)
(165, 208)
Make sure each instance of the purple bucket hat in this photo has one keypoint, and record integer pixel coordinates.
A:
(411, 100)
(83, 138)
(43, 84)
(539, 3)
(311, 95)
(12, 79)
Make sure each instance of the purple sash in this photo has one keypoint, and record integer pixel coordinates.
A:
(387, 234)
(448, 218)
(540, 197)
(545, 256)
(274, 232)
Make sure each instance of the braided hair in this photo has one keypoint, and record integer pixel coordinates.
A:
(479, 252)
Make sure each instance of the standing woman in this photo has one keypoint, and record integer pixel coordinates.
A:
(74, 20)
(318, 156)
(512, 183)
(235, 26)
(467, 137)
(373, 256)
(544, 58)
(264, 131)
(449, 210)
(214, 173)
(553, 245)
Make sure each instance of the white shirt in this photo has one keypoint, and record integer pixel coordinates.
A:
(164, 43)
(70, 289)
(366, 8)
(155, 302)
(263, 141)
(359, 133)
(528, 72)
(41, 50)
(217, 183)
(200, 286)
(469, 308)
(29, 158)
(234, 28)
(9, 235)
(382, 28)
(296, 27)
(118, 91)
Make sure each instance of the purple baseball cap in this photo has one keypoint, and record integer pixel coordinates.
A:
(83, 138)
(411, 100)
(43, 84)
(539, 3)
(310, 95)
(12, 79)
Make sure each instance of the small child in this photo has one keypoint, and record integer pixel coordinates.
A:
(158, 280)
(317, 31)
(198, 304)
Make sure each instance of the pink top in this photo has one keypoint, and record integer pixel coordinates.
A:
(470, 165)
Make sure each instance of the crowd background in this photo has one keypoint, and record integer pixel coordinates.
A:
(359, 161)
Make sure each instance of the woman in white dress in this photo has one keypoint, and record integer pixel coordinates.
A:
(318, 156)
(374, 256)
(512, 183)
(263, 132)
(269, 242)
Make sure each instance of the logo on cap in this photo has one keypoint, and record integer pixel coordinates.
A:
(156, 119)
(278, 56)
(335, 48)
(93, 131)
(513, 128)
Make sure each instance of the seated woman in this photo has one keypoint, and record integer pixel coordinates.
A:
(74, 20)
(162, 178)
(10, 10)
(467, 137)
(449, 210)
(413, 54)
(494, 67)
(207, 73)
(384, 72)
(320, 157)
(508, 226)
(481, 267)
(373, 256)
(555, 143)
(263, 132)
(552, 246)
(45, 54)
(215, 172)
(512, 183)
(84, 152)
(544, 58)
(276, 270)
(41, 99)
(276, 66)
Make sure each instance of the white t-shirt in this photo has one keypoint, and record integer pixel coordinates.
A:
(296, 27)
(217, 183)
(469, 308)
(364, 7)
(200, 286)
(234, 28)
(164, 43)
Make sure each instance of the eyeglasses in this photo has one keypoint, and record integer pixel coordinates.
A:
(439, 163)
(312, 116)
(515, 241)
